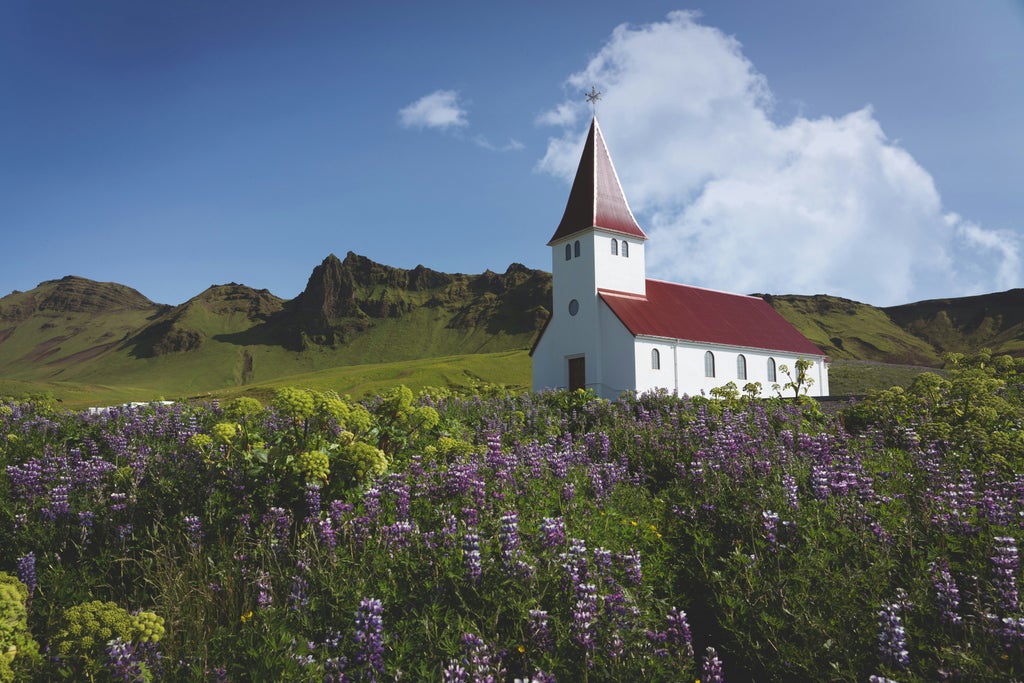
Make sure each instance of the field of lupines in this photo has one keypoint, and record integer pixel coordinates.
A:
(536, 537)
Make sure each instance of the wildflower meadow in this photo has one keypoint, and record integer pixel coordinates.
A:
(535, 537)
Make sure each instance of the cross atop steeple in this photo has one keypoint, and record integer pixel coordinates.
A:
(593, 96)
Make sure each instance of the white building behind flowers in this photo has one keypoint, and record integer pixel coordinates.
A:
(612, 329)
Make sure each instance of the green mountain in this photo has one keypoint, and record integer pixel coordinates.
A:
(351, 312)
(76, 335)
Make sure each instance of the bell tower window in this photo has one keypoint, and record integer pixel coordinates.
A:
(615, 247)
(576, 248)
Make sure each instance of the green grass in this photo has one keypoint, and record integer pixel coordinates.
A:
(856, 377)
(511, 368)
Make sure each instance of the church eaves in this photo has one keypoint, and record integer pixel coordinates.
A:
(596, 199)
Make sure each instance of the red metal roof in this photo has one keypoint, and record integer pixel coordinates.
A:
(596, 198)
(705, 315)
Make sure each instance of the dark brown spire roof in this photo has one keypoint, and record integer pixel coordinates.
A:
(596, 199)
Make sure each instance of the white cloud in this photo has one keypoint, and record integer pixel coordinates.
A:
(512, 145)
(735, 201)
(439, 109)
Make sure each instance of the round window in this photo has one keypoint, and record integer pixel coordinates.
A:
(574, 307)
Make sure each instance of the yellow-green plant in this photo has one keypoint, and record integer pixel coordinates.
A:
(313, 466)
(16, 643)
(361, 461)
(89, 626)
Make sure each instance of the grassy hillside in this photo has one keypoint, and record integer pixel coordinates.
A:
(850, 330)
(966, 324)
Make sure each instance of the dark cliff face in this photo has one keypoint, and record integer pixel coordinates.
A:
(343, 297)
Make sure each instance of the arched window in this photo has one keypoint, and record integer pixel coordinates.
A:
(655, 359)
(771, 369)
(576, 248)
(568, 252)
(709, 364)
(625, 248)
(741, 367)
(615, 247)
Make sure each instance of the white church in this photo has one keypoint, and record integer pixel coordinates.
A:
(613, 330)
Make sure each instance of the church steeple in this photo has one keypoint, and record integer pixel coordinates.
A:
(596, 199)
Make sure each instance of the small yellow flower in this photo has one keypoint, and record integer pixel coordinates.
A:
(247, 616)
(521, 649)
(654, 528)
(633, 522)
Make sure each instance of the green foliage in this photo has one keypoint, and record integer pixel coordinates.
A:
(977, 407)
(18, 650)
(399, 421)
(799, 380)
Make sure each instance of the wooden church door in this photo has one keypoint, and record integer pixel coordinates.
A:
(577, 373)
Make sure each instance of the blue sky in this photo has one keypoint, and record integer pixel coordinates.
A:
(869, 150)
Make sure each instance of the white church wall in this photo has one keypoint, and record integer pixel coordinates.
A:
(683, 368)
(618, 365)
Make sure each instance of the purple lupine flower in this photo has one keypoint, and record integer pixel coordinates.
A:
(540, 632)
(1004, 580)
(790, 490)
(118, 501)
(471, 515)
(471, 559)
(399, 536)
(339, 511)
(194, 530)
(712, 667)
(678, 632)
(603, 560)
(27, 572)
(371, 501)
(455, 673)
(312, 500)
(634, 572)
(370, 637)
(298, 596)
(281, 523)
(1009, 629)
(325, 533)
(483, 663)
(946, 592)
(892, 638)
(397, 487)
(552, 532)
(509, 538)
(265, 596)
(583, 629)
(85, 520)
(568, 492)
(126, 661)
(769, 522)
